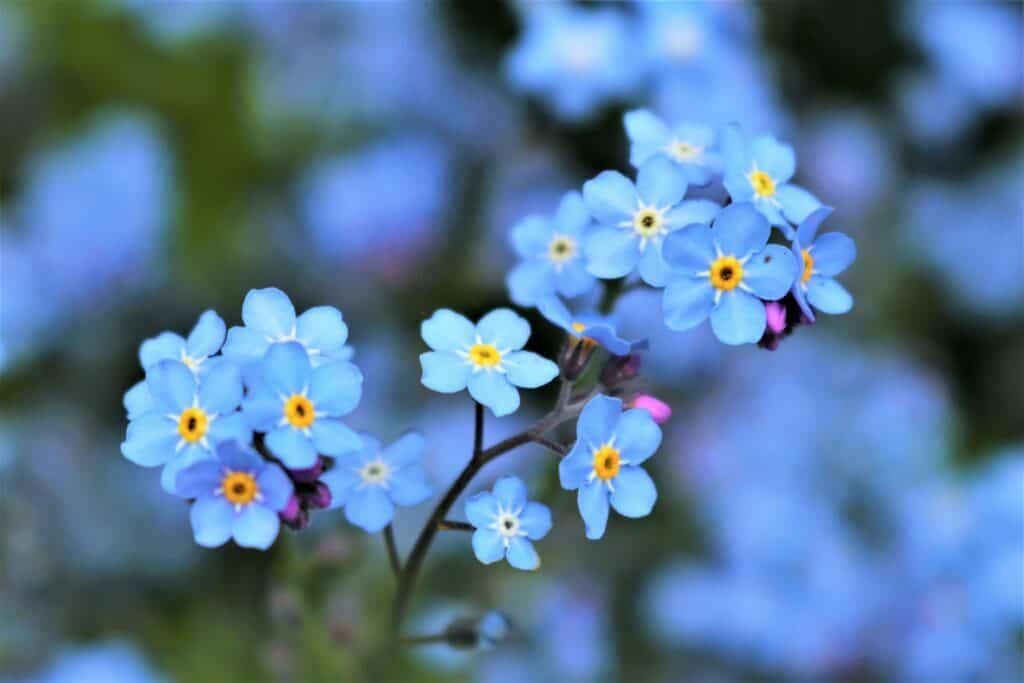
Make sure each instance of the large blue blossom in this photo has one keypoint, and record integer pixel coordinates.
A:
(552, 253)
(188, 417)
(724, 273)
(505, 524)
(636, 219)
(692, 146)
(604, 463)
(822, 257)
(299, 406)
(585, 325)
(370, 481)
(759, 172)
(486, 357)
(237, 495)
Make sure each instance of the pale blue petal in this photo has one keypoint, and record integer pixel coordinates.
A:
(797, 203)
(610, 197)
(446, 330)
(530, 237)
(212, 519)
(370, 509)
(409, 485)
(773, 215)
(556, 312)
(771, 273)
(287, 369)
(647, 132)
(256, 527)
(164, 346)
(232, 427)
(444, 372)
(592, 501)
(535, 520)
(572, 216)
(245, 346)
(220, 390)
(741, 230)
(653, 268)
(341, 481)
(734, 152)
(510, 492)
(482, 509)
(660, 182)
(292, 447)
(494, 391)
(690, 250)
(239, 457)
(200, 480)
(504, 328)
(187, 457)
(687, 303)
(262, 407)
(828, 296)
(275, 487)
(269, 311)
(406, 450)
(574, 280)
(692, 211)
(336, 388)
(575, 468)
(634, 494)
(775, 158)
(637, 436)
(531, 281)
(611, 252)
(529, 370)
(597, 422)
(207, 336)
(137, 401)
(488, 546)
(739, 318)
(322, 328)
(833, 253)
(150, 440)
(171, 385)
(332, 437)
(809, 227)
(522, 555)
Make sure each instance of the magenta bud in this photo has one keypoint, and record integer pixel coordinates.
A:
(320, 496)
(658, 409)
(291, 511)
(776, 314)
(308, 475)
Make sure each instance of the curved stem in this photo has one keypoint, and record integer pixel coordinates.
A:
(452, 525)
(389, 541)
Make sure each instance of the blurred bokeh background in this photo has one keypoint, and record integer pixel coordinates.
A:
(847, 508)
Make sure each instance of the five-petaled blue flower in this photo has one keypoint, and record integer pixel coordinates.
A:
(237, 495)
(369, 482)
(487, 358)
(760, 172)
(692, 146)
(552, 252)
(298, 406)
(187, 418)
(269, 318)
(724, 272)
(636, 219)
(585, 325)
(506, 523)
(604, 464)
(822, 259)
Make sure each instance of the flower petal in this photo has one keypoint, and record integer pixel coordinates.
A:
(444, 372)
(510, 492)
(171, 385)
(530, 236)
(809, 226)
(482, 509)
(529, 370)
(522, 555)
(287, 369)
(741, 230)
(294, 448)
(653, 268)
(572, 216)
(775, 158)
(239, 456)
(597, 422)
(739, 318)
(336, 388)
(341, 480)
(611, 252)
(610, 197)
(690, 250)
(269, 311)
(555, 310)
(575, 468)
(634, 494)
(797, 203)
(687, 303)
(262, 407)
(189, 456)
(494, 391)
(199, 480)
(535, 520)
(647, 132)
(410, 485)
(164, 346)
(530, 281)
(207, 336)
(660, 182)
(833, 253)
(244, 346)
(446, 330)
(828, 296)
(256, 527)
(692, 211)
(150, 440)
(332, 437)
(212, 519)
(220, 390)
(275, 487)
(370, 509)
(592, 500)
(637, 436)
(488, 546)
(137, 401)
(574, 280)
(771, 273)
(322, 328)
(231, 427)
(504, 328)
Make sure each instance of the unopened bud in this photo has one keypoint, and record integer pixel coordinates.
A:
(620, 369)
(308, 475)
(293, 515)
(575, 356)
(658, 409)
(319, 496)
(776, 314)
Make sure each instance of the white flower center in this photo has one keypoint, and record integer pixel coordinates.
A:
(680, 150)
(681, 39)
(375, 472)
(580, 51)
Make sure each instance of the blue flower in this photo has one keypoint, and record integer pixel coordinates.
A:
(760, 172)
(186, 419)
(604, 463)
(822, 259)
(112, 661)
(370, 481)
(552, 252)
(590, 325)
(725, 272)
(203, 341)
(636, 219)
(487, 358)
(269, 318)
(690, 145)
(237, 495)
(506, 523)
(298, 406)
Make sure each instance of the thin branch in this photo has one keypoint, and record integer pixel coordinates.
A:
(553, 446)
(564, 394)
(452, 525)
(478, 429)
(424, 640)
(389, 541)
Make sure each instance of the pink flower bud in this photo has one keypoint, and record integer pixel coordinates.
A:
(659, 410)
(776, 314)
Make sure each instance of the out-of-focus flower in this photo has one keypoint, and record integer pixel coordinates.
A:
(505, 524)
(585, 325)
(552, 253)
(724, 273)
(175, 21)
(822, 257)
(604, 463)
(109, 662)
(486, 357)
(369, 482)
(848, 152)
(237, 495)
(299, 407)
(636, 219)
(691, 145)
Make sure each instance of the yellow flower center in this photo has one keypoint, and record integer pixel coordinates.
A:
(484, 355)
(606, 462)
(684, 151)
(192, 424)
(561, 249)
(808, 266)
(762, 183)
(647, 222)
(726, 273)
(239, 488)
(299, 411)
(578, 327)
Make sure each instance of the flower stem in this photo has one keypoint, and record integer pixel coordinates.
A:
(389, 541)
(452, 525)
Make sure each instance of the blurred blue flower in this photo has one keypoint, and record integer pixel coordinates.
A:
(203, 341)
(552, 253)
(585, 325)
(724, 273)
(173, 21)
(486, 357)
(848, 152)
(687, 40)
(635, 219)
(237, 495)
(505, 524)
(691, 145)
(493, 628)
(604, 463)
(188, 418)
(370, 481)
(107, 662)
(299, 407)
(822, 257)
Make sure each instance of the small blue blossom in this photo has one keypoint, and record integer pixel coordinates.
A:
(299, 406)
(822, 258)
(112, 661)
(486, 357)
(492, 628)
(506, 523)
(692, 146)
(585, 325)
(269, 318)
(724, 273)
(552, 253)
(203, 341)
(372, 480)
(636, 219)
(604, 463)
(759, 172)
(187, 417)
(237, 495)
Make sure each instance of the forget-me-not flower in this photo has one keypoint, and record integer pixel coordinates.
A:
(635, 219)
(822, 257)
(237, 495)
(552, 253)
(187, 418)
(724, 272)
(299, 406)
(604, 463)
(591, 326)
(372, 480)
(486, 357)
(203, 341)
(505, 524)
(691, 145)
